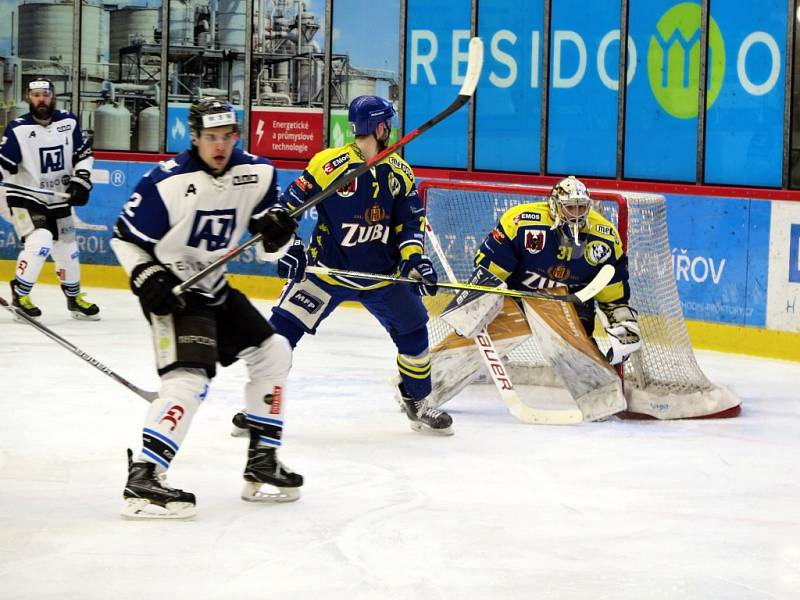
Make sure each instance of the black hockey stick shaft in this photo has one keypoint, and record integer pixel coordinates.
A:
(589, 291)
(149, 396)
(474, 66)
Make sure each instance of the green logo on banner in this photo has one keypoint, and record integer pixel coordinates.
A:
(673, 60)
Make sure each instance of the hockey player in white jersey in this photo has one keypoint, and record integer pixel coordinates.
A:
(183, 215)
(46, 149)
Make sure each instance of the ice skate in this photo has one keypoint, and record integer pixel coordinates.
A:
(424, 418)
(263, 467)
(147, 495)
(82, 309)
(24, 304)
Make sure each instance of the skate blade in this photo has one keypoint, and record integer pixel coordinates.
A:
(422, 428)
(252, 492)
(78, 316)
(140, 508)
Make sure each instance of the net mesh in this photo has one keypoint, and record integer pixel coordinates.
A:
(462, 214)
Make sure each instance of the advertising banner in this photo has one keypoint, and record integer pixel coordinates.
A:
(114, 182)
(290, 133)
(437, 39)
(582, 111)
(661, 110)
(509, 98)
(783, 302)
(746, 63)
(720, 257)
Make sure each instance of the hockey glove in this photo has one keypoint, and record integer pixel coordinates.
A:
(623, 332)
(277, 228)
(419, 266)
(153, 284)
(292, 265)
(79, 187)
(469, 312)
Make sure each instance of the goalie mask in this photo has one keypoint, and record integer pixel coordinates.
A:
(569, 204)
(41, 98)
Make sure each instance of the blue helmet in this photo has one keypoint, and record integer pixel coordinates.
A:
(366, 112)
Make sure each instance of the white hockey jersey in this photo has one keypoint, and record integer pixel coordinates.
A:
(186, 218)
(45, 158)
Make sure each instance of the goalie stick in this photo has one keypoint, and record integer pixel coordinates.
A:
(148, 396)
(497, 369)
(474, 66)
(586, 293)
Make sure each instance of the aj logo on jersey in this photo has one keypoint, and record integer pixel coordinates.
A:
(214, 227)
(52, 159)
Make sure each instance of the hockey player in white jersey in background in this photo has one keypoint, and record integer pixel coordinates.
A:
(46, 149)
(183, 215)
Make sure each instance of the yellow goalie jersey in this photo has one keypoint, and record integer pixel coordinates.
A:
(527, 253)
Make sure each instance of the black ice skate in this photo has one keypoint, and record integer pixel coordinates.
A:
(147, 495)
(23, 303)
(80, 308)
(263, 467)
(424, 418)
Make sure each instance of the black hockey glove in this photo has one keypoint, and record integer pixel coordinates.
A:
(292, 265)
(277, 227)
(79, 187)
(419, 266)
(153, 284)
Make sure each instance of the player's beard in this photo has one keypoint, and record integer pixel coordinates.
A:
(43, 113)
(384, 141)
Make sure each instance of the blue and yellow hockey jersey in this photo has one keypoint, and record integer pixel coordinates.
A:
(369, 225)
(526, 253)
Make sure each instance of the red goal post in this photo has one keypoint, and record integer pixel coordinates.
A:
(663, 380)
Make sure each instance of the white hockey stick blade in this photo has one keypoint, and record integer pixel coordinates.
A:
(474, 66)
(596, 285)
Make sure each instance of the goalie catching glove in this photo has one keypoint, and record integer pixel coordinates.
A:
(622, 327)
(469, 311)
(419, 266)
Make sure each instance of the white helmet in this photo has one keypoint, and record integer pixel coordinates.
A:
(569, 204)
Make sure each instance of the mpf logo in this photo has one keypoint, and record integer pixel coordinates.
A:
(52, 159)
(214, 227)
(794, 253)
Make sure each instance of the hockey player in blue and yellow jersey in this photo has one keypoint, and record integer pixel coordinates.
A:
(375, 224)
(564, 242)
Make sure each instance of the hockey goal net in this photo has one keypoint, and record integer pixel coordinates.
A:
(663, 380)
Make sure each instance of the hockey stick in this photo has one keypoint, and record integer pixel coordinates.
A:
(586, 293)
(22, 188)
(474, 66)
(149, 396)
(497, 368)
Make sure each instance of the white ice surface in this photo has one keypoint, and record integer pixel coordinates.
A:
(675, 510)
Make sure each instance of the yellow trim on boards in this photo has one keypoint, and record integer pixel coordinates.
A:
(754, 341)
